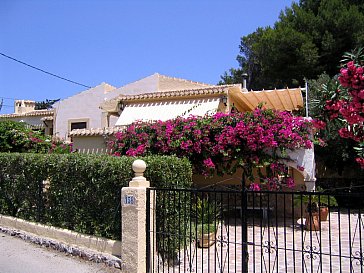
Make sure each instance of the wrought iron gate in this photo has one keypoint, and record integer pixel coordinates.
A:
(252, 232)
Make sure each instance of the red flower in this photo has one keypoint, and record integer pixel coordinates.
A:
(360, 161)
(254, 187)
(209, 164)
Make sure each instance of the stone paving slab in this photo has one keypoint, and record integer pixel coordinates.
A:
(338, 247)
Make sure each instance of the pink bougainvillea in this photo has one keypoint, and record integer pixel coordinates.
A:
(254, 187)
(221, 143)
(349, 105)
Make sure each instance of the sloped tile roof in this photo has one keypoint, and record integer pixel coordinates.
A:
(96, 131)
(47, 118)
(111, 105)
(172, 83)
(176, 93)
(30, 114)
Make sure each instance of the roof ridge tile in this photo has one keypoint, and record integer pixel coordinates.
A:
(183, 80)
(42, 112)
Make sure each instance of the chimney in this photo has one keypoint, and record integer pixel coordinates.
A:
(245, 76)
(24, 106)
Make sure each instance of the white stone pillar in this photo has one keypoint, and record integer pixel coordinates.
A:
(133, 237)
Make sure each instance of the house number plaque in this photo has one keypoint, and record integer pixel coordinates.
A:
(129, 200)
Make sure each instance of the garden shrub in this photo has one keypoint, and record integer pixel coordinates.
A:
(347, 103)
(21, 178)
(16, 137)
(80, 192)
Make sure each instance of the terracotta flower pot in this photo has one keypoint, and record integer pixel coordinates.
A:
(206, 239)
(324, 212)
(312, 221)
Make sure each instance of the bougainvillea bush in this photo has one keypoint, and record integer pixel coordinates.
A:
(221, 143)
(347, 104)
(16, 137)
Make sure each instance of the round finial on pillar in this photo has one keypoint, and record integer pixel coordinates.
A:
(139, 180)
(139, 167)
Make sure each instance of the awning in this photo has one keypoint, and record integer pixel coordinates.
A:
(165, 110)
(282, 99)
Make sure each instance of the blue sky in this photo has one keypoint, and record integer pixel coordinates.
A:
(119, 42)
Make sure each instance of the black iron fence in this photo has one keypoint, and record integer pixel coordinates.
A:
(245, 231)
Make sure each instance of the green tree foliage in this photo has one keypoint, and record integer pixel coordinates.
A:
(307, 40)
(46, 104)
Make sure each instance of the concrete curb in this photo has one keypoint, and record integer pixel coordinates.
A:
(98, 244)
(63, 240)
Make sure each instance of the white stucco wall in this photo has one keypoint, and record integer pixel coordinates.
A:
(82, 106)
(113, 120)
(89, 144)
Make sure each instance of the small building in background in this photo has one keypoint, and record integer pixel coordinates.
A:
(24, 111)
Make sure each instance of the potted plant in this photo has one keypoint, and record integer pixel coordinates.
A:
(312, 215)
(311, 209)
(316, 208)
(206, 235)
(207, 215)
(324, 201)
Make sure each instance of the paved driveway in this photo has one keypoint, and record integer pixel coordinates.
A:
(18, 256)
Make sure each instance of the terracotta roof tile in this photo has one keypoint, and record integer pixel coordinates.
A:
(96, 131)
(30, 114)
(178, 93)
(47, 118)
(181, 80)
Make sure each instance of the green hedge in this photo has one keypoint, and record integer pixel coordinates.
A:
(82, 192)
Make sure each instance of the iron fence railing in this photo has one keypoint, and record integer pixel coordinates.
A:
(245, 231)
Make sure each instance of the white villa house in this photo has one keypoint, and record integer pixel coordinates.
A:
(91, 117)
